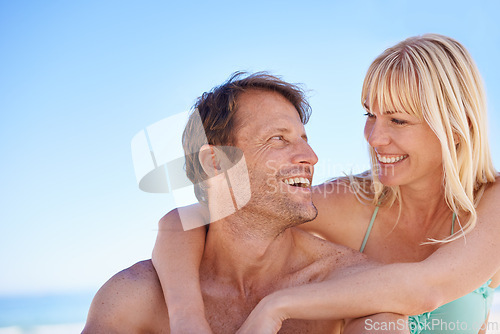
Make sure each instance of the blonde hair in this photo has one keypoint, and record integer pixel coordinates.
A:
(433, 77)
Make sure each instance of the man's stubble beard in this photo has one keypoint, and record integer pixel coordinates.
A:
(271, 210)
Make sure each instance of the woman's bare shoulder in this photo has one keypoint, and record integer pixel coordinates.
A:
(491, 195)
(343, 193)
(342, 213)
(495, 186)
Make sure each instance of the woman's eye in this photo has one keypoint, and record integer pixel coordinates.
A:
(369, 114)
(398, 121)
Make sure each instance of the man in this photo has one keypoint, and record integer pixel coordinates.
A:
(254, 249)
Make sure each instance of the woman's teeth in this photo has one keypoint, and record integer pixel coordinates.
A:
(390, 160)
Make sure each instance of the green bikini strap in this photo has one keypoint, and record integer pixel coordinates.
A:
(453, 222)
(369, 229)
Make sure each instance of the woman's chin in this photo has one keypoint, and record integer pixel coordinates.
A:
(389, 181)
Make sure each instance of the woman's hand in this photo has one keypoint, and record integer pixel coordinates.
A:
(266, 318)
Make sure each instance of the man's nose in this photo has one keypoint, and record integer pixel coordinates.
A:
(304, 154)
(376, 134)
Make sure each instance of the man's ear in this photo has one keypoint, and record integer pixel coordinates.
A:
(208, 160)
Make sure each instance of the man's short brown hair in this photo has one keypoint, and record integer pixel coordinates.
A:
(217, 108)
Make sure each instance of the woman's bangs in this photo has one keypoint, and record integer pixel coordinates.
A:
(394, 87)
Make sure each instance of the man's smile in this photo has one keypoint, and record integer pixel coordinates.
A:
(298, 182)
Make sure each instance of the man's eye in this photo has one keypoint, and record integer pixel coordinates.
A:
(277, 138)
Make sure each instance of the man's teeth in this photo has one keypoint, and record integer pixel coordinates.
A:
(298, 181)
(390, 160)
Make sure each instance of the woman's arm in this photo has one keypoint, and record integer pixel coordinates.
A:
(383, 323)
(452, 271)
(176, 257)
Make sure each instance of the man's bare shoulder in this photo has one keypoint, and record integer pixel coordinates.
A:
(129, 302)
(332, 259)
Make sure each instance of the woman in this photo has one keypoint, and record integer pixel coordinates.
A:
(431, 187)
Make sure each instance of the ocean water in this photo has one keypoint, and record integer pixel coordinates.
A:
(496, 301)
(66, 313)
(44, 314)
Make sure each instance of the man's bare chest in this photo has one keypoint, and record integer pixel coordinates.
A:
(226, 314)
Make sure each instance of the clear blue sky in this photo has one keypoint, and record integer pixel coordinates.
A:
(78, 79)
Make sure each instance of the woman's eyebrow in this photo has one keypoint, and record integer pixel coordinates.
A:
(387, 112)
